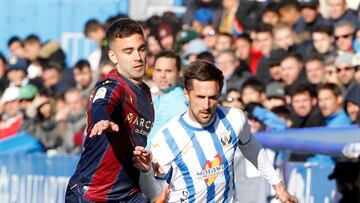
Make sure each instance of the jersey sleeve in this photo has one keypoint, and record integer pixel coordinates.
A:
(255, 153)
(104, 98)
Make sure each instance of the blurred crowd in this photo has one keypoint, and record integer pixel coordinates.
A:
(284, 64)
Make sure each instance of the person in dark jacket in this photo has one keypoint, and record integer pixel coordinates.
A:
(352, 103)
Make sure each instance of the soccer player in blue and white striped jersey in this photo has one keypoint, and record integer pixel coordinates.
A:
(195, 150)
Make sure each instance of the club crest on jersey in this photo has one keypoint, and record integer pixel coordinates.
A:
(100, 94)
(211, 170)
(225, 138)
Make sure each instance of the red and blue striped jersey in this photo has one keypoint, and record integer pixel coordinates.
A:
(105, 171)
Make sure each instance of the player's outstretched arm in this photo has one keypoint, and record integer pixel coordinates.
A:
(102, 126)
(149, 186)
(283, 195)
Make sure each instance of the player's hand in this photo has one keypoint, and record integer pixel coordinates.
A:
(283, 195)
(102, 126)
(158, 170)
(142, 159)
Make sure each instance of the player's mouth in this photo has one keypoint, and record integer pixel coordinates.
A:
(140, 66)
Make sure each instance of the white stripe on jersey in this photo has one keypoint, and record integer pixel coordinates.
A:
(201, 158)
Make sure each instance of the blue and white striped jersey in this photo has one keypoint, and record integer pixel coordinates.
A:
(198, 160)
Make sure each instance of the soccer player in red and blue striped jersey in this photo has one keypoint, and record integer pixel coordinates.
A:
(119, 117)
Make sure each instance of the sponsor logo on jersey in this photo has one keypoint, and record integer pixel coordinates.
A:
(211, 170)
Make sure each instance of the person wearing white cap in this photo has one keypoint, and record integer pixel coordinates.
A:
(11, 117)
(345, 69)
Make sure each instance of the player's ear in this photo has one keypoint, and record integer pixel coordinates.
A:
(112, 57)
(186, 95)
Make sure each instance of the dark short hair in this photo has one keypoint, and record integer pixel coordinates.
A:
(334, 88)
(122, 28)
(303, 88)
(171, 55)
(315, 57)
(203, 71)
(263, 27)
(325, 29)
(293, 55)
(32, 39)
(254, 84)
(282, 111)
(51, 65)
(14, 39)
(82, 64)
(244, 36)
(91, 26)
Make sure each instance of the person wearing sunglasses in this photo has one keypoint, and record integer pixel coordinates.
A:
(343, 34)
(345, 70)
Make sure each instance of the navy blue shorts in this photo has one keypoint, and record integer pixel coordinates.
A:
(73, 195)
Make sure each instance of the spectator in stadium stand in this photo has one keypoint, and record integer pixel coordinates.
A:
(232, 98)
(344, 34)
(170, 100)
(50, 51)
(183, 37)
(310, 18)
(40, 122)
(223, 42)
(32, 46)
(338, 11)
(16, 71)
(234, 72)
(75, 122)
(213, 5)
(331, 75)
(345, 70)
(106, 67)
(315, 69)
(306, 112)
(209, 35)
(292, 72)
(242, 47)
(54, 80)
(276, 56)
(270, 14)
(11, 118)
(356, 65)
(95, 31)
(153, 48)
(193, 48)
(252, 90)
(201, 17)
(16, 47)
(285, 38)
(4, 82)
(356, 41)
(83, 77)
(26, 96)
(323, 40)
(229, 23)
(352, 103)
(330, 102)
(259, 64)
(289, 11)
(165, 35)
(275, 95)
